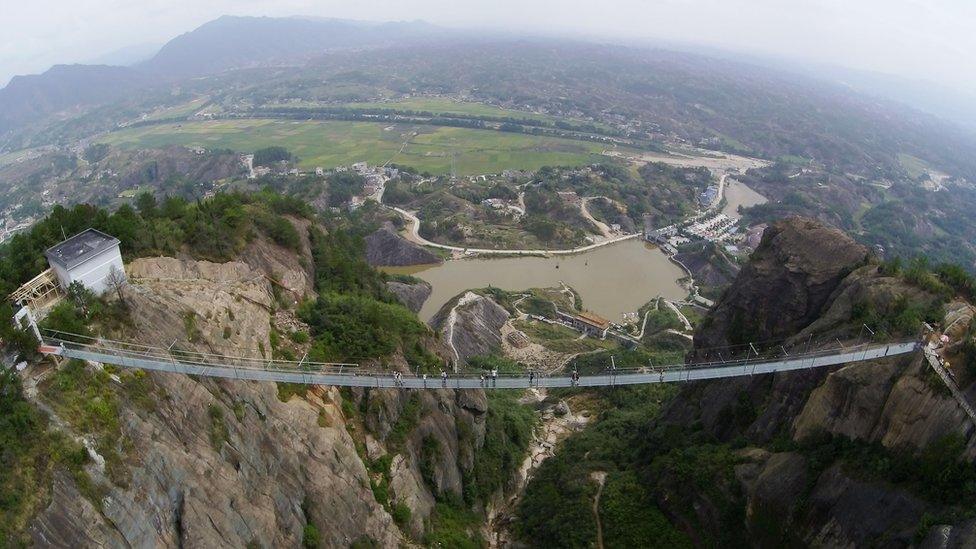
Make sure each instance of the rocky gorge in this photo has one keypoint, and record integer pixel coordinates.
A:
(815, 458)
(795, 431)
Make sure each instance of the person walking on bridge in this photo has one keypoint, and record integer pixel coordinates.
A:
(443, 378)
(531, 377)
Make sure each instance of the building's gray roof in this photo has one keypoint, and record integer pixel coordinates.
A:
(80, 248)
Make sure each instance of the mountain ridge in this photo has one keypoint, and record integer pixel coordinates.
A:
(226, 43)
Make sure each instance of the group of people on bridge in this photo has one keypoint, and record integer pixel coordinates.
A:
(490, 379)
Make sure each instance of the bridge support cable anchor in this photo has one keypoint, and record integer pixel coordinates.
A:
(169, 351)
(865, 327)
(861, 331)
(751, 346)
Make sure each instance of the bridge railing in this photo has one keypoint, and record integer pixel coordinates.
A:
(184, 361)
(174, 354)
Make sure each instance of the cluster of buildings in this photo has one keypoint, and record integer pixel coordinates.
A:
(666, 238)
(376, 178)
(502, 205)
(708, 197)
(9, 226)
(716, 228)
(712, 227)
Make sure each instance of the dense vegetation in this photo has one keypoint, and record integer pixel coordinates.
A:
(557, 509)
(216, 229)
(355, 318)
(343, 186)
(648, 461)
(270, 155)
(508, 430)
(902, 216)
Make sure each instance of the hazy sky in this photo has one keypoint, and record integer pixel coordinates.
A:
(933, 40)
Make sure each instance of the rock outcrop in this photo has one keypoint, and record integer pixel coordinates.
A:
(784, 287)
(291, 272)
(946, 536)
(805, 283)
(385, 248)
(471, 325)
(413, 296)
(709, 266)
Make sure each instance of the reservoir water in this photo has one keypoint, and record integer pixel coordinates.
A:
(611, 280)
(737, 194)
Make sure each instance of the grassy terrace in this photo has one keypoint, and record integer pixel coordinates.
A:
(333, 143)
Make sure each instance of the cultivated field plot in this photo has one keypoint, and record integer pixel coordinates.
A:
(448, 106)
(177, 111)
(332, 143)
(444, 105)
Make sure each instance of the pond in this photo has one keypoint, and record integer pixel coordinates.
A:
(611, 280)
(737, 194)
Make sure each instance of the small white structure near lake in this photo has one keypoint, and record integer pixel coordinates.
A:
(87, 257)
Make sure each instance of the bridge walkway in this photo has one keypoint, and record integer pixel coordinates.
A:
(950, 383)
(129, 355)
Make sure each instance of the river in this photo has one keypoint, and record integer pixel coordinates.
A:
(737, 194)
(612, 280)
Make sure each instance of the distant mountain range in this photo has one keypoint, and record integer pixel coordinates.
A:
(949, 104)
(236, 42)
(129, 55)
(232, 42)
(223, 44)
(62, 87)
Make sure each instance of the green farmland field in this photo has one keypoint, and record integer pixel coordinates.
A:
(183, 110)
(443, 105)
(447, 106)
(333, 143)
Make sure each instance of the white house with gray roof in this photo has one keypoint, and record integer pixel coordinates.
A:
(87, 257)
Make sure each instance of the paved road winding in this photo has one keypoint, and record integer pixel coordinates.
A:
(415, 237)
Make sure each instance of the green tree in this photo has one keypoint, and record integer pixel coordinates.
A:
(269, 155)
(146, 204)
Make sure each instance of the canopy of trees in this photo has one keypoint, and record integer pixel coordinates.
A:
(269, 155)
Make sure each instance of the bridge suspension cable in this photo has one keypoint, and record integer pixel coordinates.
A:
(147, 357)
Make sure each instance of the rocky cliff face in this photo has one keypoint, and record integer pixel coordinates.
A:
(413, 296)
(223, 463)
(386, 248)
(803, 284)
(471, 325)
(446, 428)
(785, 286)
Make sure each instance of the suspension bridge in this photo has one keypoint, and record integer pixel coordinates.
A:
(162, 359)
